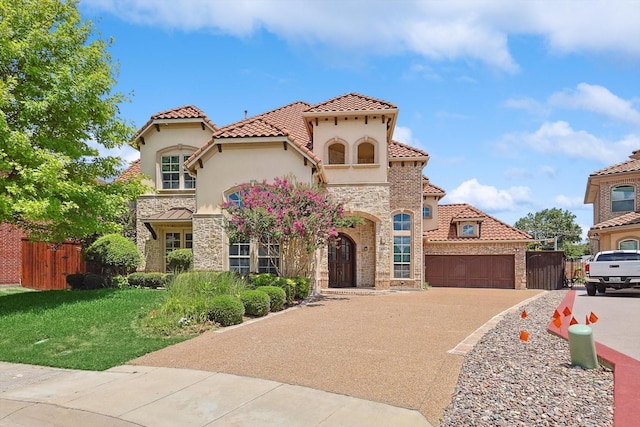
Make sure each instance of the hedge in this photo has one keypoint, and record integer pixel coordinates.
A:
(256, 303)
(226, 310)
(277, 297)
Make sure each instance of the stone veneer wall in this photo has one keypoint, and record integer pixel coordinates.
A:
(405, 179)
(370, 201)
(605, 212)
(147, 205)
(208, 242)
(519, 250)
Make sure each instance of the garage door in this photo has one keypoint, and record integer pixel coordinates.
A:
(470, 271)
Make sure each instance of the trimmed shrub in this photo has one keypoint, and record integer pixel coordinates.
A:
(116, 254)
(95, 281)
(180, 260)
(148, 280)
(277, 297)
(289, 287)
(119, 282)
(136, 280)
(256, 303)
(264, 279)
(303, 287)
(225, 310)
(75, 281)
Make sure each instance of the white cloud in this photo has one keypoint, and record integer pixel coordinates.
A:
(597, 99)
(489, 198)
(570, 202)
(451, 30)
(559, 138)
(405, 135)
(549, 171)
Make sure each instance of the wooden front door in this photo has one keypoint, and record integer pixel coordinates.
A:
(342, 263)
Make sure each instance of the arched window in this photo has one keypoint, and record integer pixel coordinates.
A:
(366, 153)
(402, 246)
(172, 174)
(629, 244)
(337, 154)
(623, 198)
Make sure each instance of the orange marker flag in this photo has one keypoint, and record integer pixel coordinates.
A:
(524, 336)
(556, 314)
(586, 322)
(566, 311)
(573, 321)
(558, 322)
(593, 318)
(524, 314)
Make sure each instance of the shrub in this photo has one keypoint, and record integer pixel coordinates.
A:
(303, 287)
(75, 281)
(277, 297)
(226, 310)
(94, 281)
(264, 279)
(148, 280)
(119, 282)
(136, 280)
(256, 303)
(180, 260)
(116, 254)
(289, 287)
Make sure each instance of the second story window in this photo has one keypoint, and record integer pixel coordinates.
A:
(337, 154)
(366, 153)
(623, 199)
(173, 174)
(468, 230)
(426, 212)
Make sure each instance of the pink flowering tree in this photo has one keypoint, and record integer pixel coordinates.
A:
(299, 217)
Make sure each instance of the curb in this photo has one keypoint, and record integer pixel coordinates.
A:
(626, 372)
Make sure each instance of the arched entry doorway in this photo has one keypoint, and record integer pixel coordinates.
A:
(342, 262)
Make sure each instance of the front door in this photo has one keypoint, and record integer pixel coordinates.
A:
(342, 262)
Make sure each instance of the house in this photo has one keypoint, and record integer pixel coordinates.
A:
(613, 191)
(344, 145)
(10, 255)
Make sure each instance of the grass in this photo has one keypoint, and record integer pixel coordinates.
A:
(93, 330)
(10, 290)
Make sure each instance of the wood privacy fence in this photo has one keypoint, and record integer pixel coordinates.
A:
(45, 267)
(545, 270)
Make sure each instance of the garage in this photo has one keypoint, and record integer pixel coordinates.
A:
(470, 271)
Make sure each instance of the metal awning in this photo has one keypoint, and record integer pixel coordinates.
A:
(173, 215)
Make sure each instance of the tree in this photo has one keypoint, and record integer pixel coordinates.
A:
(56, 107)
(299, 217)
(549, 224)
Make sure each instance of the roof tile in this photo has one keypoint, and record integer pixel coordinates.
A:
(184, 112)
(351, 102)
(428, 189)
(130, 172)
(629, 218)
(400, 150)
(632, 165)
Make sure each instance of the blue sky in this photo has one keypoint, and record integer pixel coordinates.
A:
(516, 102)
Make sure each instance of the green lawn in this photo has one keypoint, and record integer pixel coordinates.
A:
(92, 330)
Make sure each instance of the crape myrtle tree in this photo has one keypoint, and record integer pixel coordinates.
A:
(56, 106)
(548, 224)
(299, 217)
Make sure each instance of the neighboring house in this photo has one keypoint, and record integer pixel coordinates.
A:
(613, 191)
(343, 144)
(10, 255)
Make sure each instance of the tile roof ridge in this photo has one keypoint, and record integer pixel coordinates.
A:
(354, 94)
(282, 107)
(393, 141)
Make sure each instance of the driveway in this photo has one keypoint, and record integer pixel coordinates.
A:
(390, 348)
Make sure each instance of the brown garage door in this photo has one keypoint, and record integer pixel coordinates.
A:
(470, 271)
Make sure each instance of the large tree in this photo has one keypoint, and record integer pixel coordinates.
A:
(57, 105)
(550, 224)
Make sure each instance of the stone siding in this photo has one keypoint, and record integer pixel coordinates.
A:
(208, 242)
(519, 250)
(147, 205)
(405, 179)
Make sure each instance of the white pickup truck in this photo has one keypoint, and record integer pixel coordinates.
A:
(612, 269)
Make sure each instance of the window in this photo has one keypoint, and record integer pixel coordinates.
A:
(178, 239)
(426, 212)
(631, 245)
(366, 153)
(235, 198)
(337, 154)
(623, 199)
(468, 230)
(268, 257)
(240, 257)
(174, 175)
(402, 246)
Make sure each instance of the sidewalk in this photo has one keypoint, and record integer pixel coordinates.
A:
(127, 395)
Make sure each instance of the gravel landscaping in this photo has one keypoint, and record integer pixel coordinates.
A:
(505, 381)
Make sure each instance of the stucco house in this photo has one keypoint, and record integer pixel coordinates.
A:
(344, 145)
(613, 191)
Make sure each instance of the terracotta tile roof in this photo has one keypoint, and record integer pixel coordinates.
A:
(400, 150)
(632, 165)
(491, 228)
(428, 189)
(131, 171)
(351, 102)
(173, 214)
(184, 112)
(630, 218)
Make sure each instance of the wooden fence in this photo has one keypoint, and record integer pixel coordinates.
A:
(45, 267)
(545, 270)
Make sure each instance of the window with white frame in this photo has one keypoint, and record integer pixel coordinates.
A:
(173, 174)
(268, 256)
(426, 211)
(468, 230)
(176, 239)
(629, 244)
(402, 246)
(623, 198)
(240, 257)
